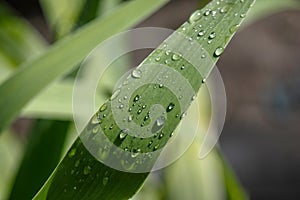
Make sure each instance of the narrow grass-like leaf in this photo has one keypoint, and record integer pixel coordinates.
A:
(62, 56)
(17, 45)
(45, 142)
(80, 175)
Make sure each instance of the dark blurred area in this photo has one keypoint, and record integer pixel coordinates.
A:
(261, 72)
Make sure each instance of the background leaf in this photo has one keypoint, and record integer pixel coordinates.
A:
(62, 56)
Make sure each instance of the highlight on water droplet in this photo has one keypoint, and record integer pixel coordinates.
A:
(136, 73)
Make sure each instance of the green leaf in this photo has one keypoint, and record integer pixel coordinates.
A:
(15, 45)
(35, 75)
(41, 156)
(62, 14)
(80, 175)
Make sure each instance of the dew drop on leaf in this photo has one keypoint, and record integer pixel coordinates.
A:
(218, 51)
(136, 73)
(212, 35)
(103, 108)
(201, 33)
(195, 16)
(176, 57)
(170, 107)
(123, 133)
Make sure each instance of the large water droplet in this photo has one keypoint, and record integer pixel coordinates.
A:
(136, 98)
(212, 35)
(201, 33)
(195, 16)
(123, 133)
(176, 57)
(96, 120)
(170, 107)
(136, 73)
(103, 108)
(218, 51)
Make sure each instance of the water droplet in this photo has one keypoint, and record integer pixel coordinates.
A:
(183, 115)
(95, 129)
(234, 28)
(201, 33)
(160, 121)
(224, 9)
(182, 67)
(214, 13)
(157, 59)
(86, 170)
(150, 143)
(103, 108)
(171, 135)
(243, 15)
(160, 85)
(160, 136)
(130, 118)
(136, 73)
(114, 95)
(72, 153)
(195, 16)
(167, 62)
(168, 52)
(194, 97)
(135, 153)
(176, 57)
(156, 147)
(170, 107)
(111, 127)
(96, 120)
(136, 98)
(144, 106)
(105, 180)
(75, 188)
(123, 133)
(204, 80)
(121, 106)
(203, 56)
(212, 35)
(139, 111)
(207, 12)
(218, 51)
